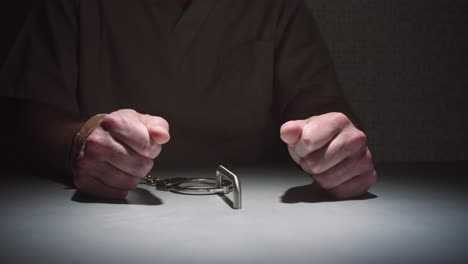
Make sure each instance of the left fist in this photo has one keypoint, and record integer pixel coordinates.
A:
(331, 149)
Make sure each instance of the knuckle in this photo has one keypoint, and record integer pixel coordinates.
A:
(95, 144)
(358, 138)
(110, 121)
(308, 140)
(94, 139)
(161, 121)
(339, 119)
(113, 121)
(355, 142)
(125, 112)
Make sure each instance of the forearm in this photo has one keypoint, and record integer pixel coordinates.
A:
(39, 134)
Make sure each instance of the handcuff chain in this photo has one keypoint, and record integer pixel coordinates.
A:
(149, 180)
(224, 183)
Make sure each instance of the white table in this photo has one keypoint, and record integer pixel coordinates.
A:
(417, 213)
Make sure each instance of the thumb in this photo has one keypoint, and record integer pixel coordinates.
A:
(291, 131)
(159, 134)
(158, 128)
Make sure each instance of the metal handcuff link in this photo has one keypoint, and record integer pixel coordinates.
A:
(224, 183)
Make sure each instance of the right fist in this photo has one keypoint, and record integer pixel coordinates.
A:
(119, 153)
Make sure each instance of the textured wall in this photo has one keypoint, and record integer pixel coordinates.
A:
(404, 67)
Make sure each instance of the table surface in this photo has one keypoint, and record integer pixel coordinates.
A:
(416, 213)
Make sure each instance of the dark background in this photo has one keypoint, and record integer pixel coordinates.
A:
(12, 15)
(403, 66)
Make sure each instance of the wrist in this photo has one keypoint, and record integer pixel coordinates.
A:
(80, 137)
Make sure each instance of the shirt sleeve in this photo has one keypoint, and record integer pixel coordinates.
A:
(306, 81)
(42, 66)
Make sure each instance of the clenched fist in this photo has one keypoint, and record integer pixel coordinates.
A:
(119, 153)
(331, 149)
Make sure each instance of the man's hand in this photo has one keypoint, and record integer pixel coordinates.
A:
(119, 153)
(333, 151)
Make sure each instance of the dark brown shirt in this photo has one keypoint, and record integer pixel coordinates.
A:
(224, 73)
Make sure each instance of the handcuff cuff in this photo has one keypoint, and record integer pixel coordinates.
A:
(224, 183)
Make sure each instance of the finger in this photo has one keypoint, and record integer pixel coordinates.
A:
(355, 186)
(291, 131)
(99, 146)
(126, 126)
(92, 186)
(114, 177)
(357, 164)
(158, 128)
(294, 156)
(319, 131)
(159, 134)
(347, 143)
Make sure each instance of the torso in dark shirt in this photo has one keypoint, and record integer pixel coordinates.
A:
(223, 73)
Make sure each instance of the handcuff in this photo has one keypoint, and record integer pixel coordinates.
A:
(224, 183)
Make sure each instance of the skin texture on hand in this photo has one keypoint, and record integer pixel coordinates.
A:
(331, 149)
(119, 153)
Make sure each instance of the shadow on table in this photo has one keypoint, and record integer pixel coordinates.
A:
(138, 197)
(312, 193)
